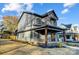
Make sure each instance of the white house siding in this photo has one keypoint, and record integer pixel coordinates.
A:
(27, 22)
(22, 22)
(26, 36)
(36, 37)
(20, 36)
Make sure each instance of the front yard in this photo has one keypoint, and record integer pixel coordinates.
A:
(8, 47)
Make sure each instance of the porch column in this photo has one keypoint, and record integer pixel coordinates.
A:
(64, 35)
(51, 37)
(46, 40)
(56, 39)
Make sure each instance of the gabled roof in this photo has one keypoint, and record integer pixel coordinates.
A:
(42, 16)
(50, 12)
(67, 25)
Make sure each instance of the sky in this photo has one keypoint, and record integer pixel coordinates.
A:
(68, 13)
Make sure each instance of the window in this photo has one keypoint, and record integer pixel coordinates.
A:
(60, 36)
(68, 36)
(38, 21)
(51, 22)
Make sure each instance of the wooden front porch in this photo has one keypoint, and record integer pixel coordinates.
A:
(45, 30)
(52, 30)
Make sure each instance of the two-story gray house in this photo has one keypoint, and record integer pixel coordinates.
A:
(38, 28)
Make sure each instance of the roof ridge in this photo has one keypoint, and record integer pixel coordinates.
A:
(43, 15)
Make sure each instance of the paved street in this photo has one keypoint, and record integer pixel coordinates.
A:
(8, 47)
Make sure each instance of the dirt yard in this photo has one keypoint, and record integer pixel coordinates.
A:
(8, 47)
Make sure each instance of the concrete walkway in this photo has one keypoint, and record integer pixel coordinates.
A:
(76, 48)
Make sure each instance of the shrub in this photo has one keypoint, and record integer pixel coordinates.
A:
(59, 44)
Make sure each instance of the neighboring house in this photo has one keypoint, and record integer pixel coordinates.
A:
(72, 34)
(38, 28)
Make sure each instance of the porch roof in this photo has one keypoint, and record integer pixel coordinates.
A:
(41, 29)
(50, 29)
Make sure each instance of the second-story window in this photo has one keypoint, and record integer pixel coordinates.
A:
(51, 22)
(38, 21)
